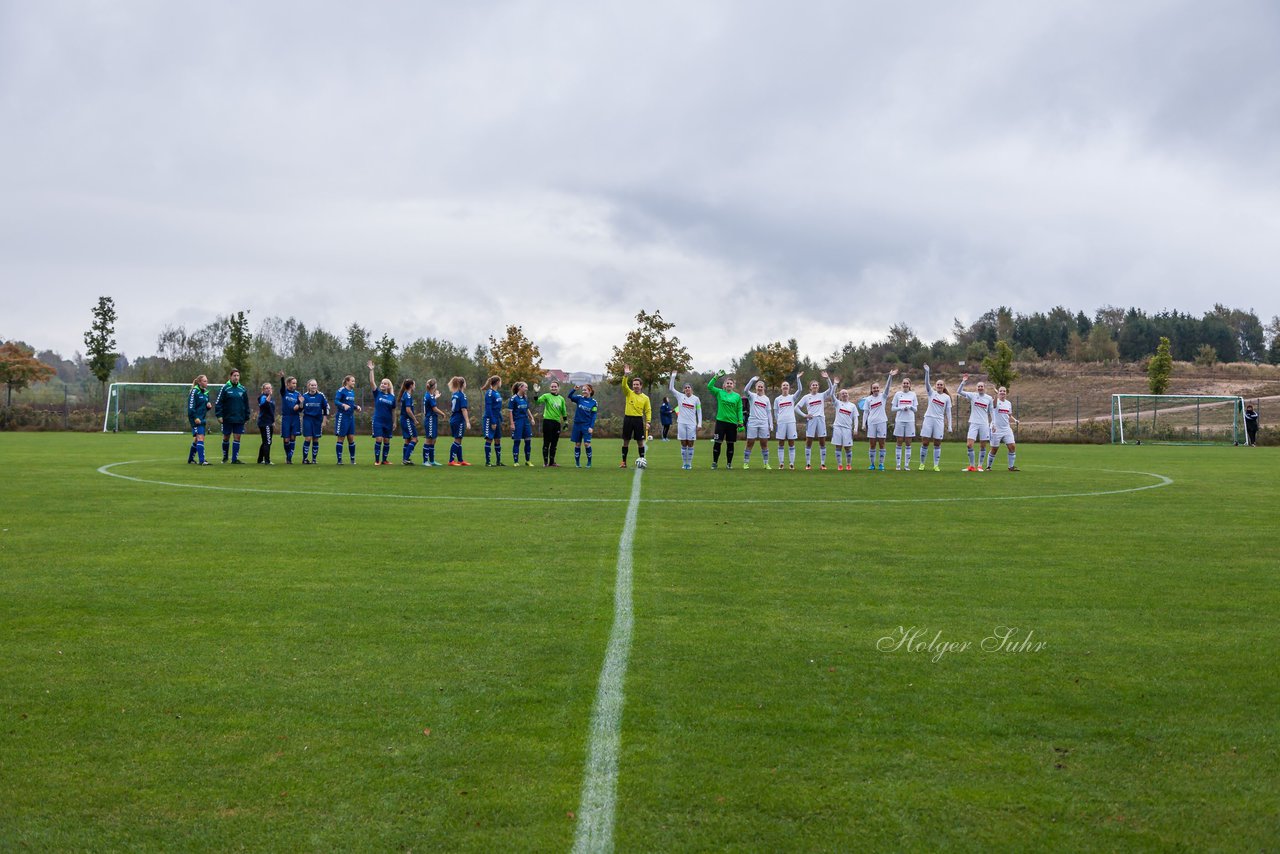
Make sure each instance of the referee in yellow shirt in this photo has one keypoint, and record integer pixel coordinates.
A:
(635, 416)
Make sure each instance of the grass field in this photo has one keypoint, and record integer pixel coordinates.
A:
(323, 658)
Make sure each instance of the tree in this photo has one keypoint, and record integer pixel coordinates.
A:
(774, 363)
(999, 365)
(651, 353)
(384, 359)
(235, 354)
(1206, 356)
(100, 341)
(19, 368)
(1099, 346)
(357, 338)
(1160, 368)
(514, 358)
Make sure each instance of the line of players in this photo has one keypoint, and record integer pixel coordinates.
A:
(306, 413)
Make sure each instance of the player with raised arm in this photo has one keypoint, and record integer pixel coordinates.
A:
(905, 405)
(814, 408)
(344, 421)
(1002, 430)
(688, 419)
(584, 422)
(931, 428)
(636, 415)
(728, 418)
(384, 417)
(554, 413)
(431, 415)
(315, 408)
(459, 419)
(759, 421)
(876, 421)
(979, 420)
(784, 416)
(844, 427)
(290, 415)
(493, 419)
(409, 422)
(198, 407)
(521, 423)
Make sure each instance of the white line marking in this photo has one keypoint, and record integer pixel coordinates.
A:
(600, 780)
(1161, 480)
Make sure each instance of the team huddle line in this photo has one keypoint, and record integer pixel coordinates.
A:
(306, 414)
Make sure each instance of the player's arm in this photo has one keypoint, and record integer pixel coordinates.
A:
(671, 384)
(947, 409)
(697, 407)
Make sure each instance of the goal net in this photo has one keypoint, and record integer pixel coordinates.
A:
(147, 408)
(1174, 419)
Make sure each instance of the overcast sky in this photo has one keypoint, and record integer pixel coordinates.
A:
(758, 171)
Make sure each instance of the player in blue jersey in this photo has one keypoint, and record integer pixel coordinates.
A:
(344, 422)
(584, 422)
(521, 424)
(459, 419)
(315, 407)
(493, 419)
(290, 415)
(198, 407)
(408, 421)
(384, 417)
(266, 422)
(431, 415)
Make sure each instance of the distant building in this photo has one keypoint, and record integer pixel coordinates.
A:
(582, 377)
(557, 376)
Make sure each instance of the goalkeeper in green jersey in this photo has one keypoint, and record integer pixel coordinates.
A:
(728, 418)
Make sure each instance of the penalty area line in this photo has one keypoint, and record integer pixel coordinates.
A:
(596, 810)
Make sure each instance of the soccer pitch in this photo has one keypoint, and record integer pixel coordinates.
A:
(1078, 655)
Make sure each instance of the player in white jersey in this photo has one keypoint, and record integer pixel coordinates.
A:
(843, 428)
(784, 416)
(688, 420)
(813, 406)
(1002, 430)
(931, 428)
(979, 420)
(905, 404)
(759, 421)
(876, 421)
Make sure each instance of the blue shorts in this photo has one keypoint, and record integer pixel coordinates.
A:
(381, 431)
(492, 428)
(232, 428)
(312, 426)
(197, 430)
(580, 434)
(521, 429)
(290, 427)
(344, 424)
(408, 430)
(457, 427)
(431, 426)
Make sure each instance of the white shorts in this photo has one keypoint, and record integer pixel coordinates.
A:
(757, 430)
(786, 430)
(877, 431)
(932, 428)
(979, 432)
(816, 428)
(1005, 438)
(904, 429)
(841, 437)
(687, 432)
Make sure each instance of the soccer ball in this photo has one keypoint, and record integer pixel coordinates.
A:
(642, 463)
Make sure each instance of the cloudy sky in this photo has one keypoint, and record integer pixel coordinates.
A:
(757, 171)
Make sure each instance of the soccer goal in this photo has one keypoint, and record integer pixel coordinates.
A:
(147, 408)
(1173, 419)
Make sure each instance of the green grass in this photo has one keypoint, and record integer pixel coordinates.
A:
(184, 668)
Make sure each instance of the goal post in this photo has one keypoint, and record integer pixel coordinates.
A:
(1177, 419)
(146, 408)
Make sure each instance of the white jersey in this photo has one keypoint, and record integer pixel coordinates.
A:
(876, 408)
(905, 404)
(815, 405)
(784, 408)
(939, 405)
(1001, 413)
(980, 411)
(759, 412)
(688, 407)
(846, 416)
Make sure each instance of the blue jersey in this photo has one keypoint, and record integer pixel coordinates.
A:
(519, 405)
(493, 404)
(406, 406)
(315, 405)
(459, 403)
(266, 410)
(290, 401)
(384, 408)
(344, 401)
(585, 414)
(197, 405)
